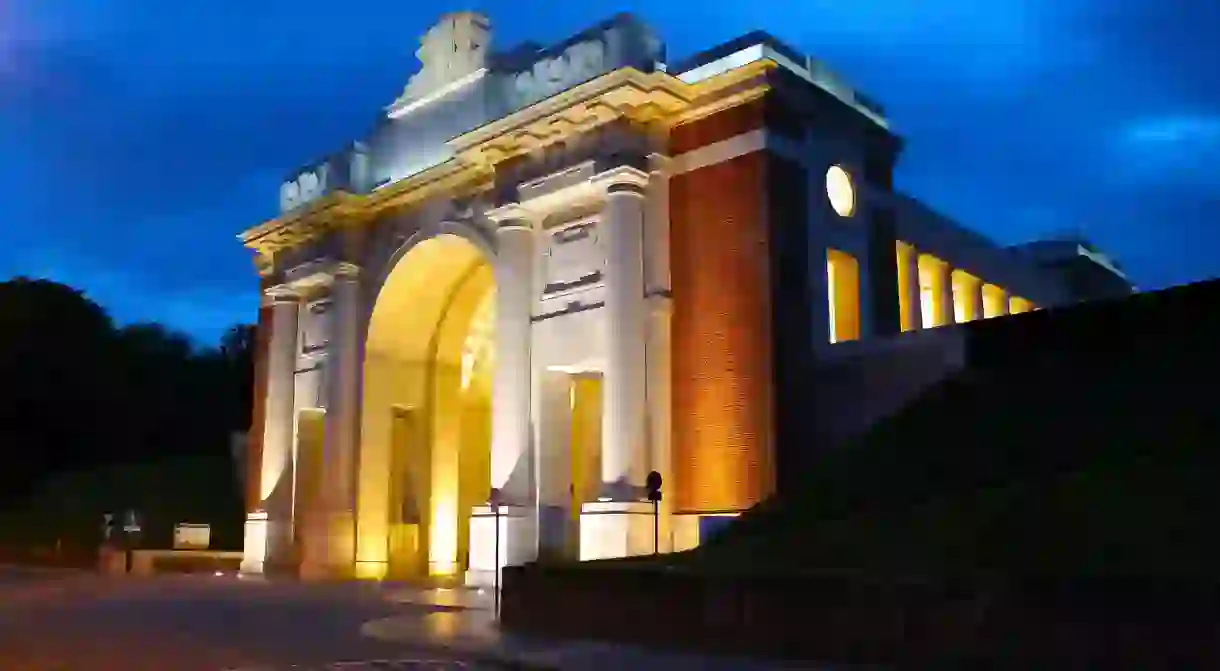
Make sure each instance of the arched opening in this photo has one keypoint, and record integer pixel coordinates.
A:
(426, 412)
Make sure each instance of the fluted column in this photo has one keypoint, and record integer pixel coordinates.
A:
(624, 430)
(269, 530)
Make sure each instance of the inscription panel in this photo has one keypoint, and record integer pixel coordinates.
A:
(573, 258)
(315, 328)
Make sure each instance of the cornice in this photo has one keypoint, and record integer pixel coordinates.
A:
(653, 100)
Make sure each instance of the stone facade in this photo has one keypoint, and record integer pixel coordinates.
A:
(546, 273)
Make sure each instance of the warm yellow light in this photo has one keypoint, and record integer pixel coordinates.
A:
(371, 570)
(908, 283)
(936, 291)
(967, 293)
(427, 358)
(442, 547)
(995, 301)
(843, 295)
(840, 191)
(830, 291)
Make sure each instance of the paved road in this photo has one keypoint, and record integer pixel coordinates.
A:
(79, 622)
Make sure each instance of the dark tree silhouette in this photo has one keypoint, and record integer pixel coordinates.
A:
(94, 417)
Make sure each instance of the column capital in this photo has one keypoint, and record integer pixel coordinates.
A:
(279, 294)
(659, 163)
(512, 216)
(620, 179)
(345, 271)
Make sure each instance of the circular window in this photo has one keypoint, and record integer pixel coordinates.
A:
(840, 191)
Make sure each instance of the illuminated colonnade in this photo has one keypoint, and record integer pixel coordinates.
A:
(931, 293)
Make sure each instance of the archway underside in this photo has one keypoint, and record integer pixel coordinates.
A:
(426, 412)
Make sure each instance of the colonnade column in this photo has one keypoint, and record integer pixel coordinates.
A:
(619, 524)
(908, 283)
(975, 299)
(331, 547)
(512, 460)
(942, 294)
(268, 533)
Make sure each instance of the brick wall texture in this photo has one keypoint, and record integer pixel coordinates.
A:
(723, 418)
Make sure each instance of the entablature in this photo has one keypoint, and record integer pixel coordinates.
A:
(652, 102)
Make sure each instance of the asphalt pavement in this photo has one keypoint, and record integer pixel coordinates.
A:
(71, 621)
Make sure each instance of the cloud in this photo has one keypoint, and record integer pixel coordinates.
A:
(1174, 131)
(1173, 150)
(137, 138)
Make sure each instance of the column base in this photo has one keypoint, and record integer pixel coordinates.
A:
(516, 537)
(329, 547)
(268, 546)
(254, 546)
(612, 529)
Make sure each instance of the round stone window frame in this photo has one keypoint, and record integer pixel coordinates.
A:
(841, 191)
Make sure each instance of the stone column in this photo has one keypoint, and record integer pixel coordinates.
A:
(619, 524)
(512, 467)
(268, 537)
(976, 300)
(331, 547)
(995, 301)
(908, 269)
(624, 436)
(942, 291)
(660, 316)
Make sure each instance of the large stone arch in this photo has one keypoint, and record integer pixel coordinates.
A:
(425, 402)
(478, 236)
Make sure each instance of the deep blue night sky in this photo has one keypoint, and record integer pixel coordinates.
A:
(138, 137)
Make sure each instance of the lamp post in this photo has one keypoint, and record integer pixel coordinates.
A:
(653, 484)
(494, 501)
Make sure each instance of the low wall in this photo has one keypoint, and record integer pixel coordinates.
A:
(154, 562)
(844, 619)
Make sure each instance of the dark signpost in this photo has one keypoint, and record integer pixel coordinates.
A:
(132, 531)
(653, 485)
(495, 501)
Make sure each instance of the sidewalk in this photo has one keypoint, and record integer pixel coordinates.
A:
(463, 622)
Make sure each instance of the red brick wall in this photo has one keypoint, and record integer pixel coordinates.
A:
(722, 339)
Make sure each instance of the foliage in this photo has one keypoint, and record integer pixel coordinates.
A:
(96, 415)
